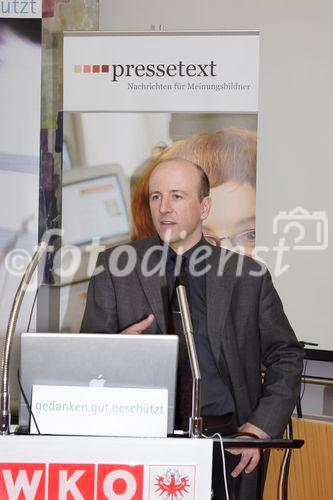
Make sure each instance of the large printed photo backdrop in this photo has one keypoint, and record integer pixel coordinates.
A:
(115, 151)
(128, 146)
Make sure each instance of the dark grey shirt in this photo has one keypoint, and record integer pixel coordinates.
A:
(216, 397)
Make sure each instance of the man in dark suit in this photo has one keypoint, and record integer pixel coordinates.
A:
(239, 322)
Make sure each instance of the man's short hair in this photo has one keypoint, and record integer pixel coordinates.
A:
(204, 186)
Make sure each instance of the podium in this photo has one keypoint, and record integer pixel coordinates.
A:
(98, 467)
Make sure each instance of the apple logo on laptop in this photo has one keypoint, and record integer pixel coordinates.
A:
(97, 382)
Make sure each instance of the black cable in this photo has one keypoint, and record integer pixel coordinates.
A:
(32, 309)
(31, 415)
(287, 458)
(304, 384)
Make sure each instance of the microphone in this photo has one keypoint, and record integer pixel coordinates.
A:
(5, 396)
(196, 422)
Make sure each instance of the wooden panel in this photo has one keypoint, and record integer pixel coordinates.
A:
(311, 470)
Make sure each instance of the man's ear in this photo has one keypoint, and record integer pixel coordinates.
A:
(206, 204)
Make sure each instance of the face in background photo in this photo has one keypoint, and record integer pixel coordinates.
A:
(231, 223)
(229, 159)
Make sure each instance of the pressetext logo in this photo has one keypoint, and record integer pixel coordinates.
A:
(178, 70)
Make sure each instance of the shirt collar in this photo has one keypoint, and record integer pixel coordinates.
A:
(172, 255)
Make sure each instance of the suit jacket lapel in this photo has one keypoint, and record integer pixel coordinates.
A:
(155, 285)
(219, 285)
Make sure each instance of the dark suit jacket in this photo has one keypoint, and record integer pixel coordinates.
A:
(247, 328)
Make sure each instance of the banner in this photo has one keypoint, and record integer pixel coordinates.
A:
(130, 97)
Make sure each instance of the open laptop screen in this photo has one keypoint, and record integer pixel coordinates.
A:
(110, 360)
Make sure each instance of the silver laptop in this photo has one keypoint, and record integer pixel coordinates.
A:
(110, 360)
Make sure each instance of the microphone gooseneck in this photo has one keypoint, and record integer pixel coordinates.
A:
(5, 396)
(196, 424)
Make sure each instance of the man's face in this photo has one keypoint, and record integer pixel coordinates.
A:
(175, 206)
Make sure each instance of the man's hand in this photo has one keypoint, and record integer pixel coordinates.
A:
(141, 326)
(250, 456)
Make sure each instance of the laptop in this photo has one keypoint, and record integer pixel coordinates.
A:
(109, 360)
